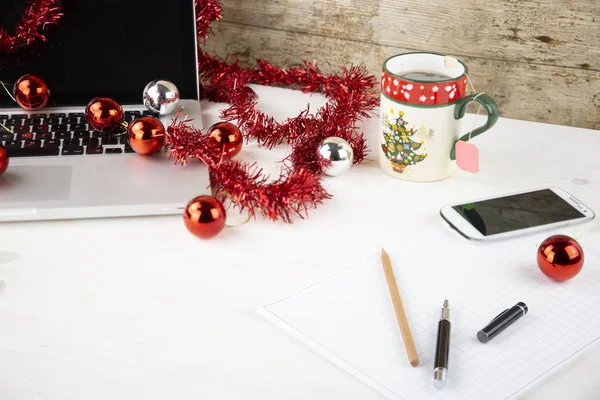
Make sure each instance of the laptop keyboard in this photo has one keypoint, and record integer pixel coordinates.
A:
(59, 134)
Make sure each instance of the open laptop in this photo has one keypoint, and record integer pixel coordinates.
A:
(60, 168)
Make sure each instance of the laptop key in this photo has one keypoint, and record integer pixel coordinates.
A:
(110, 140)
(43, 135)
(62, 135)
(85, 141)
(6, 136)
(25, 135)
(33, 152)
(94, 150)
(52, 121)
(52, 143)
(72, 150)
(114, 151)
(57, 115)
(21, 129)
(18, 116)
(71, 143)
(32, 144)
(97, 134)
(33, 121)
(70, 120)
(93, 142)
(78, 127)
(40, 128)
(13, 144)
(59, 128)
(76, 115)
(81, 134)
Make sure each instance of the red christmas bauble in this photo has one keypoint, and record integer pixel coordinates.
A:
(560, 257)
(104, 114)
(146, 135)
(228, 137)
(3, 159)
(31, 92)
(204, 217)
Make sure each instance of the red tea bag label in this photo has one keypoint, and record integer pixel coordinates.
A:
(467, 157)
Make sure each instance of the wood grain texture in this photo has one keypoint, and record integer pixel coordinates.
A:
(550, 93)
(562, 33)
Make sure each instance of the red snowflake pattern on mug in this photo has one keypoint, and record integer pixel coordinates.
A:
(423, 93)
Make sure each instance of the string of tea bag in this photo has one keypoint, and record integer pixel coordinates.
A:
(450, 62)
(472, 88)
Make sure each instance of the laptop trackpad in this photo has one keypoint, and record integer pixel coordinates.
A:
(36, 183)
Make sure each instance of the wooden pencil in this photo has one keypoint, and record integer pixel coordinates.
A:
(411, 350)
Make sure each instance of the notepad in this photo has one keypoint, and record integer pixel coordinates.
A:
(349, 318)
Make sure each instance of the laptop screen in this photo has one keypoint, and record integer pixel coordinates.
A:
(109, 48)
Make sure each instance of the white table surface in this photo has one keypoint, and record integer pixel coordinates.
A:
(137, 308)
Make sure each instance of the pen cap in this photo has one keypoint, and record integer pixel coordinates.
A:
(523, 306)
(501, 322)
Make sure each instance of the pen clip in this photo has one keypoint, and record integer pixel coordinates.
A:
(499, 316)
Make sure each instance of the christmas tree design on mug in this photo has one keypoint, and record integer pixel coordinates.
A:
(399, 147)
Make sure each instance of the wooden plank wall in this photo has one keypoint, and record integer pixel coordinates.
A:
(540, 59)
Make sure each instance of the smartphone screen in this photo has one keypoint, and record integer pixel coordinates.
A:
(521, 211)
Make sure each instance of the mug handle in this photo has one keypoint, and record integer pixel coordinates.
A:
(461, 107)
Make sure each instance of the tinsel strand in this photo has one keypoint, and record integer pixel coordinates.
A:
(38, 15)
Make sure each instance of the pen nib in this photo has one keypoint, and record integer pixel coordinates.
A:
(446, 303)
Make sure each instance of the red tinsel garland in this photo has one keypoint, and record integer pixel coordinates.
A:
(352, 98)
(38, 15)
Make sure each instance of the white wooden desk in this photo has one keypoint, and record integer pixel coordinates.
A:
(138, 308)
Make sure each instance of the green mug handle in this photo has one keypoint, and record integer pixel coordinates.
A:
(461, 108)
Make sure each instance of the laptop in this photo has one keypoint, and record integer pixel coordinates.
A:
(60, 168)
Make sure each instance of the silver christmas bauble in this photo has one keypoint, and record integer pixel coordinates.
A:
(161, 97)
(339, 152)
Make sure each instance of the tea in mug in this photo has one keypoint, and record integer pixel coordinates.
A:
(425, 76)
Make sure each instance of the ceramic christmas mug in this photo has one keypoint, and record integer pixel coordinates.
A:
(423, 97)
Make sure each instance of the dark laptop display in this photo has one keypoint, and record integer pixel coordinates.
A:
(87, 54)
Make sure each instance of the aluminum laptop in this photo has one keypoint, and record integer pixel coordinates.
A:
(60, 168)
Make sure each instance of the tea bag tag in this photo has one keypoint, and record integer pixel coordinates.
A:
(467, 156)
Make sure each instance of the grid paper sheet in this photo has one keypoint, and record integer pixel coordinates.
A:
(349, 318)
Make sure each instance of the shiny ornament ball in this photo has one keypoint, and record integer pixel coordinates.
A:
(146, 135)
(204, 217)
(3, 159)
(31, 92)
(560, 257)
(339, 152)
(104, 114)
(161, 97)
(228, 137)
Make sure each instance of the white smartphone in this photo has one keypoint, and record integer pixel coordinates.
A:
(516, 214)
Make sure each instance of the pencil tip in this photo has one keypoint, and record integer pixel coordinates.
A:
(383, 251)
(446, 303)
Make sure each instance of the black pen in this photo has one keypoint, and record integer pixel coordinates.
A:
(442, 349)
(502, 321)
